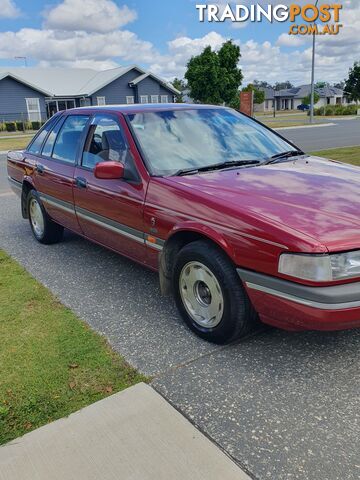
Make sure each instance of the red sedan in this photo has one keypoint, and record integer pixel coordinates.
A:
(239, 222)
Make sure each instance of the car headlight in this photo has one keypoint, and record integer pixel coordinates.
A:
(321, 268)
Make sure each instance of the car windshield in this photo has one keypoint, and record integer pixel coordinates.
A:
(174, 140)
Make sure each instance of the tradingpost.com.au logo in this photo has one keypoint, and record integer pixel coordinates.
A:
(302, 17)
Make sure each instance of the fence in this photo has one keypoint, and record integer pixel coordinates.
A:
(22, 121)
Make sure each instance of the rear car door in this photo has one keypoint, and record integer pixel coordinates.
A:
(55, 167)
(110, 211)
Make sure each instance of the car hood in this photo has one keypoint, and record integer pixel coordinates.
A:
(317, 197)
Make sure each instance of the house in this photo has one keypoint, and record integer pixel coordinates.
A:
(291, 98)
(268, 103)
(35, 94)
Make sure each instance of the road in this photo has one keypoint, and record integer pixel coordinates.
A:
(283, 405)
(343, 133)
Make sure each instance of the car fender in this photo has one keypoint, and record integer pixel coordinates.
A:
(28, 184)
(171, 247)
(201, 229)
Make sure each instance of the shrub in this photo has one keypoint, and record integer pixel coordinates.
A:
(28, 125)
(35, 125)
(318, 111)
(10, 126)
(2, 127)
(333, 110)
(20, 126)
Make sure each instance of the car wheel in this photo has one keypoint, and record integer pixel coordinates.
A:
(209, 294)
(44, 229)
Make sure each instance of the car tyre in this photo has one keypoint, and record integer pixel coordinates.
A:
(209, 294)
(43, 228)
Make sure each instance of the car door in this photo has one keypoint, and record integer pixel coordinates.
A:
(110, 211)
(55, 168)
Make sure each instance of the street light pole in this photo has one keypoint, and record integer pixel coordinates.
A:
(313, 78)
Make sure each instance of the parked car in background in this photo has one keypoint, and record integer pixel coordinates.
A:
(303, 107)
(239, 223)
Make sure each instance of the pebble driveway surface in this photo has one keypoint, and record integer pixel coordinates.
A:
(283, 405)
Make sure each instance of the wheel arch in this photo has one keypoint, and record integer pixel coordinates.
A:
(27, 185)
(179, 237)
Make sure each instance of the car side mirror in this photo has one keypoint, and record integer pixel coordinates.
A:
(109, 170)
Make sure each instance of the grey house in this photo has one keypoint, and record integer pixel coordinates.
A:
(37, 93)
(291, 98)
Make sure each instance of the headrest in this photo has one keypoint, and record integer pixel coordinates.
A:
(113, 140)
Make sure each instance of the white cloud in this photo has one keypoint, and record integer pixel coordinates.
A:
(56, 46)
(98, 41)
(94, 64)
(88, 15)
(8, 9)
(286, 40)
(180, 50)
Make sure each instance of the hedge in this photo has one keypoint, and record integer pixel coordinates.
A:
(330, 110)
(10, 126)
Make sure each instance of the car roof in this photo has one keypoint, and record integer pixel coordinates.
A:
(142, 107)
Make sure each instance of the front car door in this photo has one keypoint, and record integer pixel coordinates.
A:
(55, 166)
(110, 211)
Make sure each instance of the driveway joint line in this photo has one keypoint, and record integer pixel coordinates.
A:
(242, 467)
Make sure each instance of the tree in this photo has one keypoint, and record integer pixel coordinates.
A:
(214, 77)
(180, 85)
(283, 85)
(230, 75)
(259, 95)
(352, 84)
(307, 99)
(322, 84)
(261, 84)
(340, 85)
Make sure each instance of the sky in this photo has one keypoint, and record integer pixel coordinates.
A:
(162, 35)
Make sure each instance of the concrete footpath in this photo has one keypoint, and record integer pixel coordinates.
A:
(134, 434)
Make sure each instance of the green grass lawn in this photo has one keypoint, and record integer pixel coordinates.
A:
(51, 363)
(17, 143)
(17, 133)
(345, 154)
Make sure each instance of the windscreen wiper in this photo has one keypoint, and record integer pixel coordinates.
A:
(215, 166)
(283, 156)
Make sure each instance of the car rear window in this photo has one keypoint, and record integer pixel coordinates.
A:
(35, 145)
(50, 141)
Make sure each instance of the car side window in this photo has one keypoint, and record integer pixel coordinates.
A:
(105, 142)
(35, 145)
(68, 139)
(49, 144)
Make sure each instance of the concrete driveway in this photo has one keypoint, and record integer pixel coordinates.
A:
(283, 405)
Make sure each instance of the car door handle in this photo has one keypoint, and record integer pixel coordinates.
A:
(80, 182)
(40, 168)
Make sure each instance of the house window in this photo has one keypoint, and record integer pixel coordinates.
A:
(130, 99)
(267, 104)
(33, 109)
(100, 100)
(328, 100)
(154, 98)
(144, 99)
(164, 99)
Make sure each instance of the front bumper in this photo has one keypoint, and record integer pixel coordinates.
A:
(294, 306)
